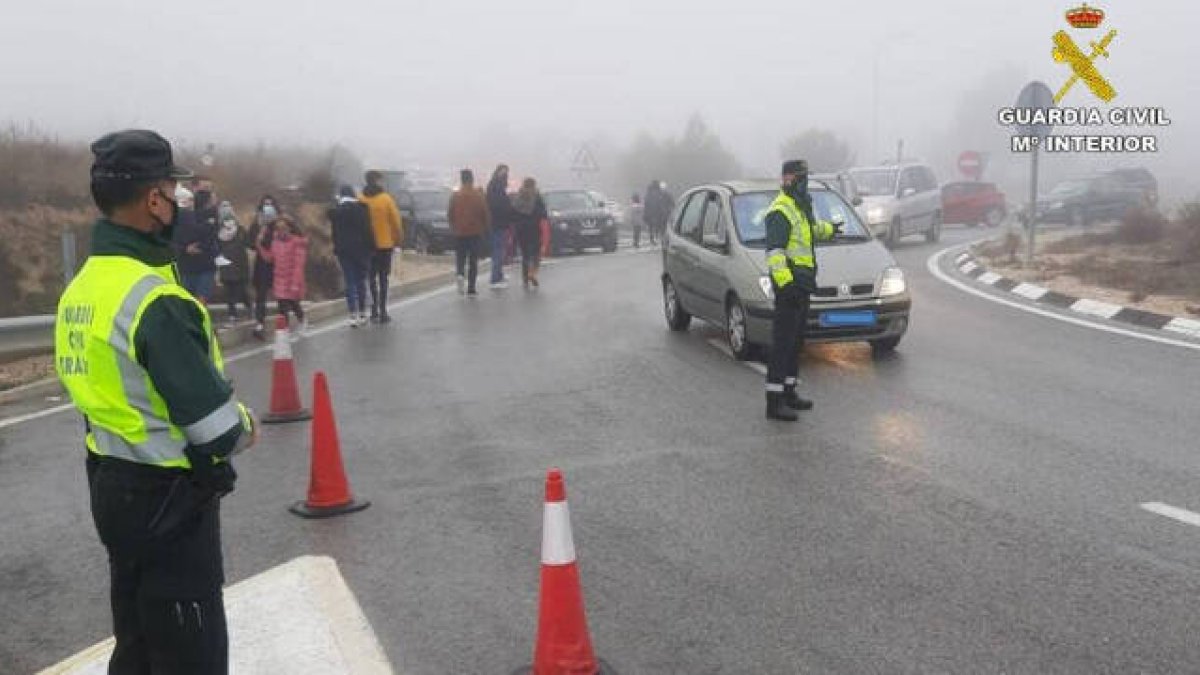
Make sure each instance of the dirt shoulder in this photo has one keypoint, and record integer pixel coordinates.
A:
(1152, 267)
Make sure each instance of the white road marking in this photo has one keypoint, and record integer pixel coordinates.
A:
(989, 278)
(722, 347)
(1184, 326)
(933, 265)
(1030, 291)
(1173, 512)
(1103, 310)
(298, 618)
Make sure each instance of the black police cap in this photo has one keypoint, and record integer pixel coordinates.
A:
(136, 154)
(795, 166)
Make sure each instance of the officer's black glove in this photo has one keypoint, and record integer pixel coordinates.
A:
(215, 477)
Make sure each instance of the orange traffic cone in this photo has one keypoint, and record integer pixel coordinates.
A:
(328, 489)
(564, 646)
(285, 393)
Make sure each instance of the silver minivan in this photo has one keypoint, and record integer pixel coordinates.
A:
(714, 268)
(900, 200)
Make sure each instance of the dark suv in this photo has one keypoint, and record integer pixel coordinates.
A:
(577, 222)
(1138, 179)
(426, 229)
(1083, 201)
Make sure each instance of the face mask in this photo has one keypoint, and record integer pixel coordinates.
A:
(799, 189)
(167, 227)
(269, 212)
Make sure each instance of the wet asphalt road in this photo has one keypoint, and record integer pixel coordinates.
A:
(967, 506)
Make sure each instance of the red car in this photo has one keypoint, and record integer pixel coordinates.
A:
(971, 203)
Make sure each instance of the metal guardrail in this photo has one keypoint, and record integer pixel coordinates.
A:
(26, 335)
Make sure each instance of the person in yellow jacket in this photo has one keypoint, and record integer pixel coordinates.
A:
(388, 228)
(137, 354)
(792, 231)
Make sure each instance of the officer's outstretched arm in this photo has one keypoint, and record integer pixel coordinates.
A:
(172, 346)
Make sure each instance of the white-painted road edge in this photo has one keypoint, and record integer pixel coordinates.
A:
(934, 266)
(1173, 512)
(299, 618)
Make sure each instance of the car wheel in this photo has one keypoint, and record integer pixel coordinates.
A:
(677, 317)
(735, 330)
(994, 217)
(885, 345)
(1076, 217)
(893, 234)
(610, 244)
(935, 229)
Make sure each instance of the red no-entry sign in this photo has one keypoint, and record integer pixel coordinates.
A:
(970, 163)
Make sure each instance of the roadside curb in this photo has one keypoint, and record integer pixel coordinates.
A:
(242, 334)
(968, 265)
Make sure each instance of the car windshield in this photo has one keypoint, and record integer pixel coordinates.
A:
(433, 200)
(872, 182)
(750, 213)
(1070, 187)
(569, 201)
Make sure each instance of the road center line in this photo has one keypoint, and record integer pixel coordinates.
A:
(1173, 512)
(934, 266)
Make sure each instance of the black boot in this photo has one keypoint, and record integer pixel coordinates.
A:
(777, 408)
(794, 401)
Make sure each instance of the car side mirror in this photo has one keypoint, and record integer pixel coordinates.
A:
(857, 201)
(908, 192)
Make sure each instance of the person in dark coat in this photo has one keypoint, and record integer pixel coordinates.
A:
(500, 207)
(658, 207)
(262, 276)
(529, 209)
(195, 244)
(353, 245)
(233, 265)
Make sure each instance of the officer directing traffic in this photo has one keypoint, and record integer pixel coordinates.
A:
(139, 358)
(791, 232)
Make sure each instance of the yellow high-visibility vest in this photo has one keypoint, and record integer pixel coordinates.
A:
(799, 252)
(97, 361)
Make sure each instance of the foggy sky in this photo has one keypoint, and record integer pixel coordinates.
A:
(407, 81)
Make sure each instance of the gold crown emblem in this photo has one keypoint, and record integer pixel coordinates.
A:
(1085, 17)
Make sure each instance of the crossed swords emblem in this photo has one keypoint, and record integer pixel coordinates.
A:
(1082, 65)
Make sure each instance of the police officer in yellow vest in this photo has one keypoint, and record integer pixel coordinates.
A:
(792, 231)
(138, 356)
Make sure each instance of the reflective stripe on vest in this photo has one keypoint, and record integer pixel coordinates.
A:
(799, 248)
(98, 364)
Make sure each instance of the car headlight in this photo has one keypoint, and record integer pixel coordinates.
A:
(767, 287)
(892, 282)
(876, 214)
(563, 227)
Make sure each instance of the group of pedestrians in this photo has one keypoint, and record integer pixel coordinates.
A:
(366, 230)
(496, 217)
(211, 246)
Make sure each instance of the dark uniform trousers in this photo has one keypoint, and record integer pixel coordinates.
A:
(164, 552)
(787, 335)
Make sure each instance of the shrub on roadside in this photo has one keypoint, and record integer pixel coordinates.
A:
(1141, 226)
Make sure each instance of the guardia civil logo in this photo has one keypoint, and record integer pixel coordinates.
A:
(1083, 64)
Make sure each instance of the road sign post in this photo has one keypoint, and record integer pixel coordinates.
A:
(1035, 96)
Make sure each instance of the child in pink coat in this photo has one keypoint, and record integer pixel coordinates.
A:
(289, 254)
